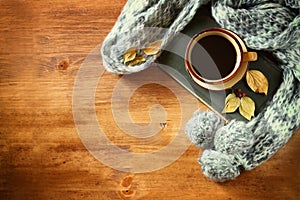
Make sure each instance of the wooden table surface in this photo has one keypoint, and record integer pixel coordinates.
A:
(42, 156)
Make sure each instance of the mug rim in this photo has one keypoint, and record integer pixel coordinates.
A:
(239, 52)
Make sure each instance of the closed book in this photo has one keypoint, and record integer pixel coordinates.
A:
(174, 65)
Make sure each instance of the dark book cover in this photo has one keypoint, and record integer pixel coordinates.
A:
(174, 66)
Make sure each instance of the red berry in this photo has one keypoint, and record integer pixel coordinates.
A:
(243, 94)
(240, 95)
(238, 90)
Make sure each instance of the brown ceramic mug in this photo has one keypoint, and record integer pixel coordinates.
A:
(217, 58)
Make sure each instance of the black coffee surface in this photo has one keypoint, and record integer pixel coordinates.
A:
(213, 57)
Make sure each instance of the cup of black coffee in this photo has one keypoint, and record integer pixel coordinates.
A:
(217, 58)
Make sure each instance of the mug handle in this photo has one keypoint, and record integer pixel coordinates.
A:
(249, 56)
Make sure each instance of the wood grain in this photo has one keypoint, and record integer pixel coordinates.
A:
(42, 156)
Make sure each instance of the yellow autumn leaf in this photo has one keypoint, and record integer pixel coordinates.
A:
(257, 81)
(129, 55)
(137, 60)
(153, 48)
(247, 107)
(230, 96)
(231, 103)
(245, 114)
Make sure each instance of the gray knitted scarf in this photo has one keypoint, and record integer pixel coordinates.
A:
(264, 25)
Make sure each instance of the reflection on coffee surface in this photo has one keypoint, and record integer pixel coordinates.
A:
(213, 57)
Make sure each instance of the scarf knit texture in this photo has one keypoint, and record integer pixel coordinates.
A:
(272, 26)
